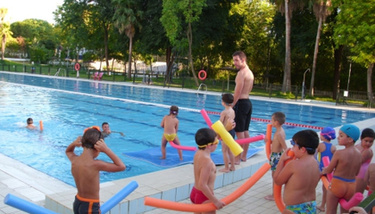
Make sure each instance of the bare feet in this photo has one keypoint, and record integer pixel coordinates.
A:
(269, 198)
(237, 163)
(232, 168)
(243, 160)
(321, 209)
(224, 170)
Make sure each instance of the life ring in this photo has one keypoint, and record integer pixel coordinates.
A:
(204, 75)
(77, 66)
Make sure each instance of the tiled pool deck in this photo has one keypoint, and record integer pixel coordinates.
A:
(171, 184)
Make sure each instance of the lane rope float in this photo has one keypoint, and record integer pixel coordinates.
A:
(200, 75)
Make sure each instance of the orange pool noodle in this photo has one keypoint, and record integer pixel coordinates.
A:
(268, 143)
(277, 188)
(41, 125)
(171, 205)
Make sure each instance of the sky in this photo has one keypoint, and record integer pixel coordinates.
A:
(19, 10)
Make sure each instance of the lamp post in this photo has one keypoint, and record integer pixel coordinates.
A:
(303, 83)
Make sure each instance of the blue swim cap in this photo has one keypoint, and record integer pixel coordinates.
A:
(328, 133)
(352, 131)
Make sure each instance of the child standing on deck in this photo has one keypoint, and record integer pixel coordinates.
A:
(278, 145)
(367, 139)
(325, 149)
(227, 118)
(345, 164)
(170, 125)
(85, 169)
(301, 175)
(205, 169)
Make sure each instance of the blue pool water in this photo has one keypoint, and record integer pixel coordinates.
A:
(68, 106)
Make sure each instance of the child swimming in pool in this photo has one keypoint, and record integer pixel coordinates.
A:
(205, 169)
(106, 131)
(85, 169)
(367, 139)
(346, 164)
(170, 125)
(30, 124)
(325, 149)
(278, 145)
(227, 118)
(301, 175)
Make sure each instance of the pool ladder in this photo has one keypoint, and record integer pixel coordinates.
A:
(201, 87)
(58, 72)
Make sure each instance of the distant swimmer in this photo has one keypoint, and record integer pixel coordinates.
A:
(107, 131)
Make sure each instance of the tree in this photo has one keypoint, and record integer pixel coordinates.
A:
(355, 28)
(126, 19)
(321, 11)
(172, 22)
(287, 7)
(4, 30)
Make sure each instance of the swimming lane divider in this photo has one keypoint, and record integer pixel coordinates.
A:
(269, 121)
(118, 197)
(29, 207)
(177, 206)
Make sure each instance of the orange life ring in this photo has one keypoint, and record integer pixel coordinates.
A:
(77, 66)
(204, 75)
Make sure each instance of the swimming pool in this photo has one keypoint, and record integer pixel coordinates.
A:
(68, 106)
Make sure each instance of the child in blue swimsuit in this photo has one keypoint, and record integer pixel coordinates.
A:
(325, 149)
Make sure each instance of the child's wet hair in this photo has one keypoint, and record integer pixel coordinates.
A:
(173, 110)
(29, 120)
(204, 136)
(279, 117)
(227, 98)
(90, 137)
(367, 132)
(308, 139)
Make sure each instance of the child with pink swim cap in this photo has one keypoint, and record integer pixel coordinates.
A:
(325, 149)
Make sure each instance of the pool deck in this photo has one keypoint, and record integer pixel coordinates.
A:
(171, 184)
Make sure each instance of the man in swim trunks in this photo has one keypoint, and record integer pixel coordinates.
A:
(85, 169)
(301, 175)
(170, 125)
(346, 164)
(242, 104)
(205, 169)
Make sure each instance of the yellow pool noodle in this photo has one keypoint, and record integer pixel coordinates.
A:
(234, 147)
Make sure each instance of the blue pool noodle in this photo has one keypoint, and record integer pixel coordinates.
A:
(108, 205)
(24, 205)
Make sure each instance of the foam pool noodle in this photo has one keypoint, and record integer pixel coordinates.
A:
(234, 147)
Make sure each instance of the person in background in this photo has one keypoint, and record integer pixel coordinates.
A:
(30, 123)
(107, 131)
(241, 102)
(170, 125)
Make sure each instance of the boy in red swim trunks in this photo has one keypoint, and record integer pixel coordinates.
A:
(85, 169)
(346, 164)
(205, 169)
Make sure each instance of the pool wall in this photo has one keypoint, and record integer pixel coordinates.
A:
(171, 184)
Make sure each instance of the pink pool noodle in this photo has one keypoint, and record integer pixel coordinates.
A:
(250, 139)
(326, 163)
(206, 118)
(187, 148)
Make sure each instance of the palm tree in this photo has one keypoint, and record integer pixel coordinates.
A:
(125, 19)
(4, 30)
(321, 12)
(287, 7)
